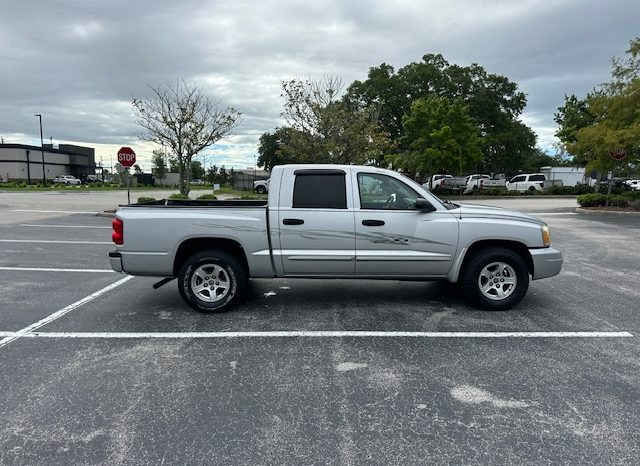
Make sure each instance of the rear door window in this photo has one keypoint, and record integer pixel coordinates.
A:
(320, 191)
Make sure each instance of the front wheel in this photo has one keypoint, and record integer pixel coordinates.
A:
(261, 190)
(495, 279)
(211, 281)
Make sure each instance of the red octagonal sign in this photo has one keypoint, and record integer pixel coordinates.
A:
(617, 154)
(126, 156)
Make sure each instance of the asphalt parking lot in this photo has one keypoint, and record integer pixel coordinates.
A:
(100, 369)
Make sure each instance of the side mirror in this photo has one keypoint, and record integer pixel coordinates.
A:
(424, 205)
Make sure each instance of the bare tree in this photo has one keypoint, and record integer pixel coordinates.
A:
(325, 129)
(186, 120)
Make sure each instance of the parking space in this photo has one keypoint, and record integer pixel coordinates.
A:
(132, 375)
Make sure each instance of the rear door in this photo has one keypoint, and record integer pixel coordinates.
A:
(316, 224)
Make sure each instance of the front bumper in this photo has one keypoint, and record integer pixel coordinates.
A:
(547, 262)
(115, 258)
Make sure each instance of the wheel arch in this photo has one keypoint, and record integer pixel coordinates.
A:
(519, 248)
(192, 246)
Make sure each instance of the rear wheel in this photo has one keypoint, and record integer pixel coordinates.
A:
(495, 279)
(211, 281)
(261, 190)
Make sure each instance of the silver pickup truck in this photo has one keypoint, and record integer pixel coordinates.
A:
(333, 221)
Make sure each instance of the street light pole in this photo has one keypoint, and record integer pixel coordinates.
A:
(44, 176)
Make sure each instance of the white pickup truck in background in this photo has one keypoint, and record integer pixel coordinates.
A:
(441, 182)
(333, 221)
(261, 186)
(477, 182)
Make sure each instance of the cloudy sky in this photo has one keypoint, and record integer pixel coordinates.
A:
(80, 62)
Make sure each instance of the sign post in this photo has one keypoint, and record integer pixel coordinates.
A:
(126, 158)
(618, 155)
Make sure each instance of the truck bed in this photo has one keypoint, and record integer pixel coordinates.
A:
(200, 203)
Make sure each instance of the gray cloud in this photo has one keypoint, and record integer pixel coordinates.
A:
(80, 63)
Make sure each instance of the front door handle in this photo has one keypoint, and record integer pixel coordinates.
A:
(373, 223)
(292, 221)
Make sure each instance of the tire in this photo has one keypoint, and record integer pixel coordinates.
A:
(68, 183)
(491, 264)
(261, 190)
(531, 188)
(204, 293)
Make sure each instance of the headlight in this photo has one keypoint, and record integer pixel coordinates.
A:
(546, 236)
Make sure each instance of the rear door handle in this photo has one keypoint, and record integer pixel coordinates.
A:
(373, 223)
(292, 221)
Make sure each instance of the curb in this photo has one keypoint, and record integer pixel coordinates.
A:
(582, 210)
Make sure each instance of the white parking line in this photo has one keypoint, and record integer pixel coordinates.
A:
(552, 213)
(56, 315)
(316, 334)
(43, 269)
(52, 241)
(54, 211)
(64, 226)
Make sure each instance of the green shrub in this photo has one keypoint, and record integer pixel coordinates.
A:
(634, 204)
(570, 190)
(179, 196)
(582, 189)
(207, 197)
(490, 192)
(592, 200)
(143, 199)
(619, 201)
(633, 195)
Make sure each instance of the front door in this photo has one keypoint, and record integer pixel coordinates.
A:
(395, 239)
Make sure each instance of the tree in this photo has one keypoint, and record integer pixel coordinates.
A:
(174, 166)
(494, 103)
(272, 148)
(440, 137)
(158, 165)
(211, 174)
(326, 130)
(184, 119)
(614, 118)
(197, 171)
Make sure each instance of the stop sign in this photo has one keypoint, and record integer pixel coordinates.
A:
(126, 156)
(617, 154)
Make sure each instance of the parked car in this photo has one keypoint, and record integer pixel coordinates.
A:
(197, 182)
(90, 179)
(526, 182)
(333, 221)
(634, 184)
(67, 179)
(261, 186)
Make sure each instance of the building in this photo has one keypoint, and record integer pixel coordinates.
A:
(19, 162)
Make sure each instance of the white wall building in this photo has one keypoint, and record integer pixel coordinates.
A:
(19, 162)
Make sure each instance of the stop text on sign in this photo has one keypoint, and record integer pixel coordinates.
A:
(126, 156)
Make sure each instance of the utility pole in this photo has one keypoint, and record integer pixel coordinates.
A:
(44, 175)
